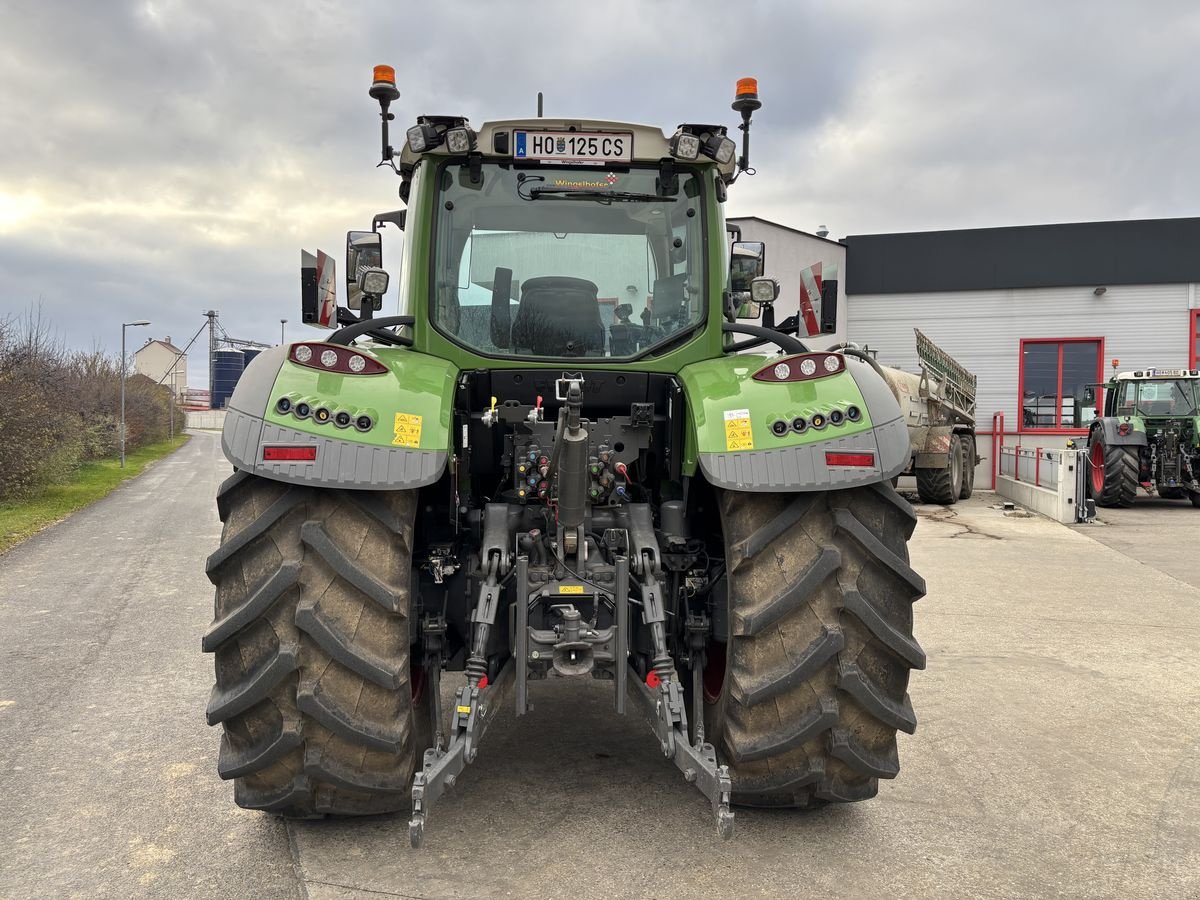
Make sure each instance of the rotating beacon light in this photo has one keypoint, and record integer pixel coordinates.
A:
(383, 89)
(746, 102)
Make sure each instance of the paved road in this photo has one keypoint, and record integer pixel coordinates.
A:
(1160, 533)
(1057, 754)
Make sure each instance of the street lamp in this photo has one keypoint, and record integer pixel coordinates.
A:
(282, 339)
(125, 325)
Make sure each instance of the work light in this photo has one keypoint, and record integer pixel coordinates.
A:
(764, 290)
(460, 140)
(373, 282)
(684, 145)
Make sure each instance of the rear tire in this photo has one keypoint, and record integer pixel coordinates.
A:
(804, 701)
(943, 486)
(1112, 474)
(311, 640)
(969, 463)
(1194, 496)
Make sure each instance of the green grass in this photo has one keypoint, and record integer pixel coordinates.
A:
(91, 482)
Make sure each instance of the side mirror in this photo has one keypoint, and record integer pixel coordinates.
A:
(318, 291)
(747, 261)
(364, 250)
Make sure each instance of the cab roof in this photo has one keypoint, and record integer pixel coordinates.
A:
(650, 144)
(1147, 374)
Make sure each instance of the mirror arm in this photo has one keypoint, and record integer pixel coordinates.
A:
(785, 342)
(345, 335)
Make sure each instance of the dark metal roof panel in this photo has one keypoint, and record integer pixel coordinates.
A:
(1148, 251)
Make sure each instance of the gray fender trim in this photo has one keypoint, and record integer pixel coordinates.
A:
(339, 464)
(253, 391)
(1111, 439)
(804, 469)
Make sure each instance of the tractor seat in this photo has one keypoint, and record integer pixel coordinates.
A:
(558, 316)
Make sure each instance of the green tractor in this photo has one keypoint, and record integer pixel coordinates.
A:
(1149, 436)
(568, 456)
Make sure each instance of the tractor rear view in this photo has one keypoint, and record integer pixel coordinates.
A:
(1148, 437)
(557, 462)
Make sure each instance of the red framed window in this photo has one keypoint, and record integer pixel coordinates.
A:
(1194, 340)
(1054, 384)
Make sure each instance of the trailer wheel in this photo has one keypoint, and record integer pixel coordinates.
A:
(1112, 473)
(943, 486)
(804, 701)
(311, 642)
(969, 463)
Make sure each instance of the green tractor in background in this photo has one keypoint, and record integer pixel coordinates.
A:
(560, 461)
(1149, 436)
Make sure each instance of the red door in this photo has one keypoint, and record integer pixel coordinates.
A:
(1194, 341)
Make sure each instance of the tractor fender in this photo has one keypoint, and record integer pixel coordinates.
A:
(732, 416)
(410, 405)
(1107, 428)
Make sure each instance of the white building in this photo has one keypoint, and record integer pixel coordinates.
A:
(156, 359)
(790, 251)
(1038, 313)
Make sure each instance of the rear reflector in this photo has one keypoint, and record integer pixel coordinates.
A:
(289, 454)
(850, 459)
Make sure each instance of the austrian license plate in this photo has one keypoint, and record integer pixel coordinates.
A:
(574, 146)
(1167, 373)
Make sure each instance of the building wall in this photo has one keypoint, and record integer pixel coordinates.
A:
(788, 253)
(154, 360)
(1142, 326)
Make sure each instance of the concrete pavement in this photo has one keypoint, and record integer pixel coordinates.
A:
(1058, 751)
(1161, 533)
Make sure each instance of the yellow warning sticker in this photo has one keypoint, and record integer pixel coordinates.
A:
(465, 710)
(407, 430)
(570, 588)
(738, 433)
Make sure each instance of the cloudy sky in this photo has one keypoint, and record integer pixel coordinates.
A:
(162, 157)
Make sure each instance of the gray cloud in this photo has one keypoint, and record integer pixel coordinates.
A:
(162, 157)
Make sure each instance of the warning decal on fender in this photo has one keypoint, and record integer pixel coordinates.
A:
(407, 431)
(738, 433)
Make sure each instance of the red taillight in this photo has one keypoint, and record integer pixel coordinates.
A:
(802, 367)
(334, 358)
(850, 459)
(289, 454)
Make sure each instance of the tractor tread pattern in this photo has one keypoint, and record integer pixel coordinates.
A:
(855, 682)
(752, 621)
(817, 676)
(316, 539)
(254, 688)
(384, 672)
(1120, 476)
(233, 763)
(311, 642)
(937, 485)
(750, 690)
(240, 541)
(260, 601)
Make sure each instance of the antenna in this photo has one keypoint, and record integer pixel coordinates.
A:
(539, 104)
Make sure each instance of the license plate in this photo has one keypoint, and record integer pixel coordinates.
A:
(1167, 373)
(574, 146)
